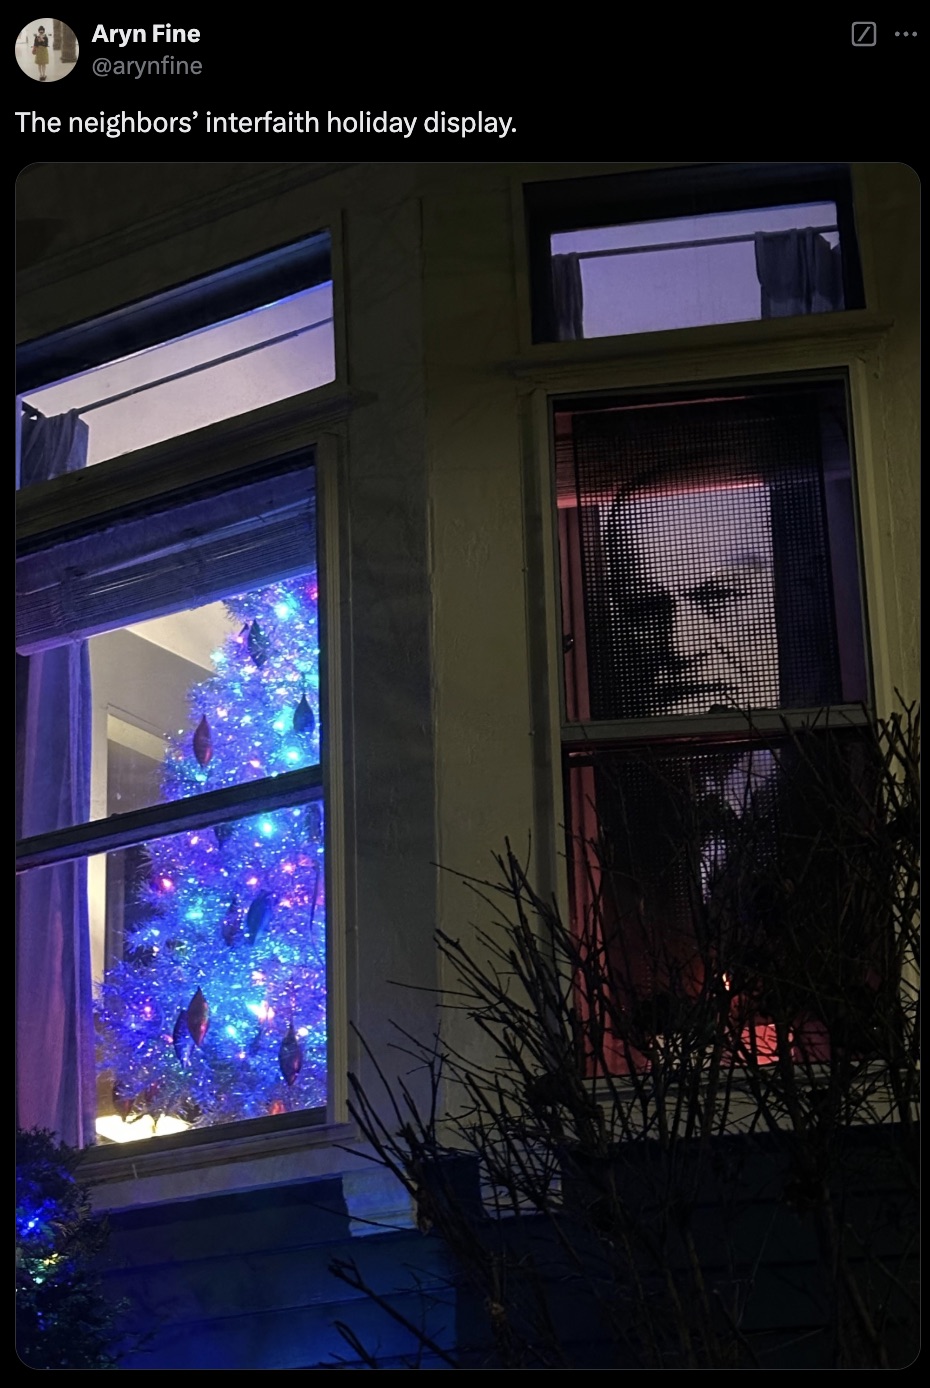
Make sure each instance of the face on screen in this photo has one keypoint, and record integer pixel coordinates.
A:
(701, 598)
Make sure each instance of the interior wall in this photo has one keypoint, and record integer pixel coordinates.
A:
(140, 685)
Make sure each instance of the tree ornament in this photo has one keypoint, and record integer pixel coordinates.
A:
(222, 832)
(314, 823)
(150, 1102)
(198, 1017)
(290, 1056)
(183, 1041)
(258, 917)
(231, 922)
(304, 721)
(122, 1100)
(203, 742)
(257, 643)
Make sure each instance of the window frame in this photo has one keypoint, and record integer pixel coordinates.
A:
(775, 351)
(667, 193)
(665, 735)
(198, 303)
(298, 432)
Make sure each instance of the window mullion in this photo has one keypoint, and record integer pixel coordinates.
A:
(198, 812)
(762, 722)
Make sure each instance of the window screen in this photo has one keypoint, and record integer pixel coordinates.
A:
(708, 558)
(723, 875)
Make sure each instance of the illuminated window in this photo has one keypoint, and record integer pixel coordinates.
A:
(679, 248)
(709, 556)
(207, 351)
(710, 591)
(172, 901)
(187, 719)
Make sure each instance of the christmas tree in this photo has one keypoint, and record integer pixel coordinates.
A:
(217, 1010)
(63, 1317)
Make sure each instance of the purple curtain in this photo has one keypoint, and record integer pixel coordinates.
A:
(54, 1001)
(799, 272)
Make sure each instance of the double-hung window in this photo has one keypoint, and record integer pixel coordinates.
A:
(171, 712)
(711, 609)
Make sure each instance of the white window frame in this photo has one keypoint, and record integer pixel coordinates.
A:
(761, 352)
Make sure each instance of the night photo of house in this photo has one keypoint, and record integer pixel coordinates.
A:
(467, 758)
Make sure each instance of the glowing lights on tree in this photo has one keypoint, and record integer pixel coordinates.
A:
(217, 1010)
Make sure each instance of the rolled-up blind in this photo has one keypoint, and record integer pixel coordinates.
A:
(153, 565)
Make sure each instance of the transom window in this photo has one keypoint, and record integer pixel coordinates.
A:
(206, 351)
(680, 248)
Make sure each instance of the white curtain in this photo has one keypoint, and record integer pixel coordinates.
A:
(54, 1016)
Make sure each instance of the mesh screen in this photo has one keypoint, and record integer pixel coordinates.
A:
(704, 557)
(735, 865)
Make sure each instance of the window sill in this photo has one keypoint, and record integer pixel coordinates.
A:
(847, 333)
(154, 476)
(873, 1101)
(215, 1161)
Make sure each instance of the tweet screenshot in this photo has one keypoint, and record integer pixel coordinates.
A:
(466, 743)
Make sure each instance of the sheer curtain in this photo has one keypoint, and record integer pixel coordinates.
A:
(54, 1017)
(799, 272)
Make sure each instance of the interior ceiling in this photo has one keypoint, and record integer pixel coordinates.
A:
(193, 635)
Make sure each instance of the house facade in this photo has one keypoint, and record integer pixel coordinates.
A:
(435, 420)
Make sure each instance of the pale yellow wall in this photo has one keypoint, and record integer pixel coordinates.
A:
(888, 223)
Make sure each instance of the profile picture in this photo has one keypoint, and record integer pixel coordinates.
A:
(46, 50)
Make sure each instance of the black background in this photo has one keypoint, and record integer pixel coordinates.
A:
(665, 84)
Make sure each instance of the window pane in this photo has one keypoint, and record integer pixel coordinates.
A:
(209, 965)
(708, 555)
(724, 267)
(210, 697)
(740, 894)
(228, 369)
